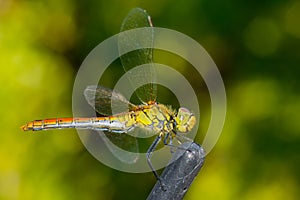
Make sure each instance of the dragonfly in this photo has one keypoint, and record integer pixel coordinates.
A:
(150, 116)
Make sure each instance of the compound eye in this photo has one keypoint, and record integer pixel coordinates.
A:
(183, 113)
(183, 110)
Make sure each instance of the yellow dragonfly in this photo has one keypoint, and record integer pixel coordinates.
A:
(150, 116)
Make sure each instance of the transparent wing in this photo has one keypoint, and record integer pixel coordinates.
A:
(124, 147)
(100, 145)
(103, 99)
(138, 18)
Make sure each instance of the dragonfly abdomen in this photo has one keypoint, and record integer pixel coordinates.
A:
(112, 124)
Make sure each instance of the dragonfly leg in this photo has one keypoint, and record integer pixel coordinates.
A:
(149, 155)
(166, 138)
(170, 143)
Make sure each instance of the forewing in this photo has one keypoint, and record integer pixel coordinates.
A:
(138, 18)
(105, 100)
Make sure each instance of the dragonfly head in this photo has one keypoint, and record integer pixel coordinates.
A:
(185, 120)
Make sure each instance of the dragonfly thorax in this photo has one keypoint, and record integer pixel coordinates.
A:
(161, 118)
(185, 120)
(156, 117)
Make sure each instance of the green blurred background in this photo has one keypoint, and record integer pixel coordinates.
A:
(255, 45)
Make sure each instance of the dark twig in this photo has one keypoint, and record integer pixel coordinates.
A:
(178, 176)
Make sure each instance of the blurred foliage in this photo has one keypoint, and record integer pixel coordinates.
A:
(255, 45)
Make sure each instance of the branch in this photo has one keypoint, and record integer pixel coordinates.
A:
(178, 176)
